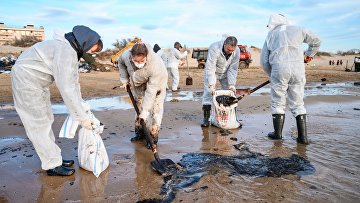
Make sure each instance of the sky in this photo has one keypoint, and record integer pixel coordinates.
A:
(195, 23)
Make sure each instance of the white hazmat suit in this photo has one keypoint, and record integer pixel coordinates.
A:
(34, 71)
(217, 67)
(173, 62)
(282, 58)
(149, 85)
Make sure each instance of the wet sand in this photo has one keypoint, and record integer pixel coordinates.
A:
(333, 126)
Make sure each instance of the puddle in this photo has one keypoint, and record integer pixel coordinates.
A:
(6, 143)
(123, 102)
(9, 141)
(184, 96)
(197, 165)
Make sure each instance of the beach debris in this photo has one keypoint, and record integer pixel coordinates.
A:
(6, 62)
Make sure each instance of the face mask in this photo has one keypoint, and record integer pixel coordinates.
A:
(139, 65)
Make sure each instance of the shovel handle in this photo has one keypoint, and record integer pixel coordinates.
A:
(260, 86)
(143, 124)
(254, 89)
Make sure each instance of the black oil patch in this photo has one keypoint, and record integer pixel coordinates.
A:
(196, 165)
(226, 100)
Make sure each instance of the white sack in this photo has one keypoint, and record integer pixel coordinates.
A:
(92, 154)
(223, 116)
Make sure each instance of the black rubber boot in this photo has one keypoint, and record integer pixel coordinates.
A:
(60, 171)
(278, 122)
(67, 163)
(139, 134)
(301, 127)
(206, 109)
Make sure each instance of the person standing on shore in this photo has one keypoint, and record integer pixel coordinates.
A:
(282, 58)
(173, 62)
(222, 64)
(35, 70)
(142, 69)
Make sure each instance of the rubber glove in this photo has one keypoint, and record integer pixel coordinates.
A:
(307, 59)
(232, 88)
(88, 124)
(123, 86)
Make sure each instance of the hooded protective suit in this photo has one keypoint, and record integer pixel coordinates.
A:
(282, 58)
(173, 62)
(34, 71)
(217, 67)
(149, 84)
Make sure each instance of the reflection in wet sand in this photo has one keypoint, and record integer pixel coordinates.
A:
(52, 189)
(92, 188)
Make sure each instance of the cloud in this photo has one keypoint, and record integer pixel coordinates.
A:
(55, 13)
(149, 27)
(101, 20)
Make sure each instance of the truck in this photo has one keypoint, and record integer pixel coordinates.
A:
(201, 55)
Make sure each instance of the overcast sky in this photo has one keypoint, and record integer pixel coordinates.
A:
(196, 23)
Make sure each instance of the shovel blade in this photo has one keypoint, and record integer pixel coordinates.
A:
(165, 166)
(189, 81)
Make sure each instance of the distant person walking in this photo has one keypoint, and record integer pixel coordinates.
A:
(329, 62)
(283, 60)
(337, 62)
(35, 70)
(173, 62)
(341, 62)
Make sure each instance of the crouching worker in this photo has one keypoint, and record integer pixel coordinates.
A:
(221, 64)
(35, 70)
(145, 72)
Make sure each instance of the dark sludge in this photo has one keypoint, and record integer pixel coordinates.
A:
(196, 165)
(226, 100)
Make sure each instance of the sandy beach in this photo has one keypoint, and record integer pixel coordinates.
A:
(332, 102)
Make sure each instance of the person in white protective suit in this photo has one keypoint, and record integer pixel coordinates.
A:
(173, 62)
(35, 70)
(221, 64)
(145, 72)
(282, 58)
(160, 53)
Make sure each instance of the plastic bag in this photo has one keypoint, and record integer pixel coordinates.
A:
(70, 125)
(223, 114)
(69, 128)
(92, 154)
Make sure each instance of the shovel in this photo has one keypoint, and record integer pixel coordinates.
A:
(189, 80)
(159, 165)
(252, 90)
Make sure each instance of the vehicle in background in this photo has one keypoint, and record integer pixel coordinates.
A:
(201, 55)
(245, 57)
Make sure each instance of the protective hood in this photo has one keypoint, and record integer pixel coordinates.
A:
(156, 48)
(82, 39)
(276, 20)
(86, 37)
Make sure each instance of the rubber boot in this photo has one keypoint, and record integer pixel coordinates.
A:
(278, 122)
(301, 127)
(139, 133)
(206, 109)
(60, 171)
